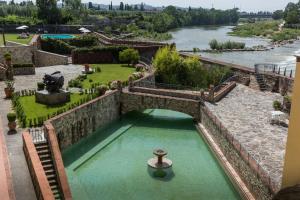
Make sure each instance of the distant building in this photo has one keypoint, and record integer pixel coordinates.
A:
(3, 3)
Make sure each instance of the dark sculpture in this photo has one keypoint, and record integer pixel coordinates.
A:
(54, 82)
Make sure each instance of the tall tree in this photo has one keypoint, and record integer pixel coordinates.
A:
(48, 11)
(121, 5)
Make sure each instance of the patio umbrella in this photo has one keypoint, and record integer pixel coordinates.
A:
(85, 31)
(82, 28)
(22, 27)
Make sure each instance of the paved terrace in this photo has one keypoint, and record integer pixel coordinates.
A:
(22, 184)
(246, 113)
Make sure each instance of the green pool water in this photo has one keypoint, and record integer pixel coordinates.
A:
(57, 36)
(112, 163)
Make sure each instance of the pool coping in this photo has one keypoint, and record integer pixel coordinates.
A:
(229, 170)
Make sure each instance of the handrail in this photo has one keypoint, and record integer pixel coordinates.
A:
(227, 80)
(57, 161)
(37, 172)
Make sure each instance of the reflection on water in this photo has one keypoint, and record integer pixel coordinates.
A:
(188, 38)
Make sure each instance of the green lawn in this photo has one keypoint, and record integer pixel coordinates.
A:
(35, 110)
(14, 38)
(109, 72)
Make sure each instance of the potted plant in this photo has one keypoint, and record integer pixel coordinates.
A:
(40, 86)
(11, 117)
(9, 90)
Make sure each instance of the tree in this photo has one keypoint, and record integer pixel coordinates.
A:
(48, 11)
(291, 13)
(121, 5)
(90, 5)
(129, 56)
(278, 14)
(142, 8)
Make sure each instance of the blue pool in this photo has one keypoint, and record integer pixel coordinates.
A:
(57, 36)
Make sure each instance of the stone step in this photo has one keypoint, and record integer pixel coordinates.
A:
(46, 161)
(52, 182)
(48, 166)
(45, 157)
(51, 177)
(41, 147)
(50, 171)
(43, 152)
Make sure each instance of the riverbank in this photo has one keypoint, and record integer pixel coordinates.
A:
(273, 30)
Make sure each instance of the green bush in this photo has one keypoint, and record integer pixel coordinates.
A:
(22, 65)
(102, 89)
(75, 83)
(277, 105)
(83, 41)
(11, 117)
(129, 56)
(56, 46)
(215, 45)
(7, 56)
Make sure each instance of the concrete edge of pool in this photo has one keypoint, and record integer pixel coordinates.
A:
(224, 163)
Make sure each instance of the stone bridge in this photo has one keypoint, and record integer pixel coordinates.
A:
(161, 99)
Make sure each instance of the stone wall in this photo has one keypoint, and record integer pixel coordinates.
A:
(24, 71)
(252, 174)
(147, 81)
(77, 123)
(141, 101)
(44, 58)
(20, 54)
(13, 44)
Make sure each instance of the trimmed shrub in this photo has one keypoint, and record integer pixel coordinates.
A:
(11, 117)
(56, 46)
(129, 56)
(22, 65)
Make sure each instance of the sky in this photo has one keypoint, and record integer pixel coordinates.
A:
(244, 5)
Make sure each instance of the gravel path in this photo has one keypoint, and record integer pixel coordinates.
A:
(246, 114)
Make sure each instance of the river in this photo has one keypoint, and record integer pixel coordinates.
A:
(199, 37)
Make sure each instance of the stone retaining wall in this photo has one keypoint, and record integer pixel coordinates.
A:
(20, 54)
(252, 174)
(77, 123)
(44, 58)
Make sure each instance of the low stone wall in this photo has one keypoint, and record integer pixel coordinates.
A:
(24, 71)
(38, 176)
(165, 92)
(147, 81)
(6, 187)
(44, 58)
(140, 101)
(20, 54)
(252, 174)
(13, 44)
(78, 123)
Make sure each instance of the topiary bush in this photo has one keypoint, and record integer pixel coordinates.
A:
(11, 117)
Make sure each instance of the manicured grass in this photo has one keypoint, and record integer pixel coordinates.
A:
(14, 38)
(34, 110)
(109, 72)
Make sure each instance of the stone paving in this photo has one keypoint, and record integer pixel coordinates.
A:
(246, 114)
(22, 184)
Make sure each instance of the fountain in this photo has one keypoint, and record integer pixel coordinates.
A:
(160, 162)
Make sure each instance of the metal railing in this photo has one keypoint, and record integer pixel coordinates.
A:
(267, 68)
(38, 135)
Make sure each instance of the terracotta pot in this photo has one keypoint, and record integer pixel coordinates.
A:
(12, 126)
(87, 68)
(8, 92)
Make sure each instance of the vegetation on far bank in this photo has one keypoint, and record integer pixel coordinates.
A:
(267, 29)
(171, 68)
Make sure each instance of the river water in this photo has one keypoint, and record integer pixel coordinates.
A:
(199, 37)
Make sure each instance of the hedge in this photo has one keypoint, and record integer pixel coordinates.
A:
(22, 65)
(56, 46)
(83, 41)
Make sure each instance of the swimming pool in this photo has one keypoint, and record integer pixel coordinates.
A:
(57, 36)
(112, 163)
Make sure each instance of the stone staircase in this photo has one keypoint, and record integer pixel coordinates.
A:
(47, 163)
(261, 82)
